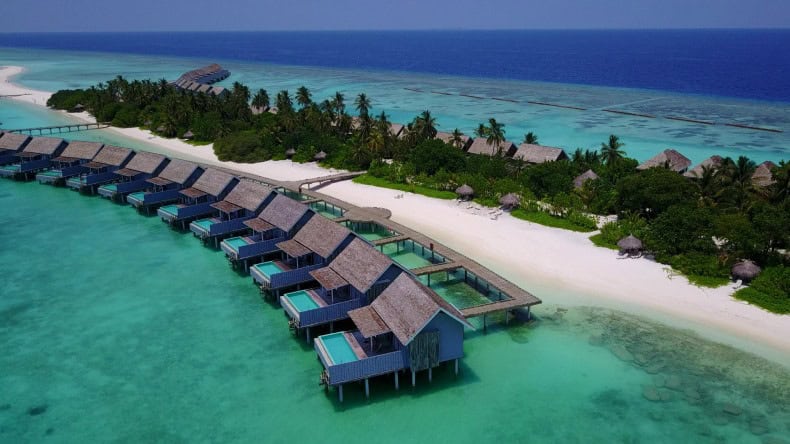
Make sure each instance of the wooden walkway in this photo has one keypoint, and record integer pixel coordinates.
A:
(61, 128)
(325, 180)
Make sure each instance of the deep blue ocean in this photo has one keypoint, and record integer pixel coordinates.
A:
(752, 64)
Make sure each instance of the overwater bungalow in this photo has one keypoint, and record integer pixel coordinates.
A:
(481, 146)
(208, 74)
(133, 177)
(35, 157)
(311, 248)
(219, 91)
(194, 202)
(70, 163)
(448, 138)
(279, 221)
(536, 154)
(244, 202)
(10, 144)
(101, 169)
(763, 175)
(670, 159)
(579, 181)
(163, 189)
(204, 88)
(353, 279)
(712, 162)
(408, 327)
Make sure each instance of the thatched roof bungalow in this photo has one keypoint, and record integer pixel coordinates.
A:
(713, 162)
(195, 201)
(745, 271)
(763, 175)
(319, 156)
(481, 146)
(630, 245)
(241, 204)
(164, 188)
(669, 158)
(579, 181)
(465, 192)
(35, 157)
(448, 138)
(510, 201)
(539, 154)
(396, 130)
(69, 163)
(133, 176)
(10, 144)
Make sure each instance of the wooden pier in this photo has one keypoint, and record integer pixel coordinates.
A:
(324, 180)
(58, 129)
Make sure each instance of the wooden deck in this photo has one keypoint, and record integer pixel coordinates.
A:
(61, 128)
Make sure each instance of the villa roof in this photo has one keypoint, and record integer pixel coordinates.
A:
(578, 182)
(481, 146)
(258, 225)
(204, 88)
(128, 172)
(763, 176)
(328, 279)
(745, 270)
(368, 322)
(676, 161)
(539, 154)
(360, 264)
(322, 236)
(396, 129)
(225, 206)
(178, 171)
(213, 181)
(65, 159)
(510, 200)
(406, 307)
(293, 248)
(283, 212)
(44, 145)
(13, 141)
(193, 193)
(248, 195)
(146, 162)
(82, 150)
(217, 90)
(629, 243)
(465, 190)
(448, 138)
(113, 155)
(95, 165)
(711, 162)
(159, 180)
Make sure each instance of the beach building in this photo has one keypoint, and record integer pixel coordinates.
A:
(481, 146)
(408, 327)
(219, 91)
(204, 88)
(133, 177)
(668, 158)
(763, 175)
(712, 162)
(579, 181)
(208, 74)
(163, 189)
(279, 221)
(448, 138)
(396, 129)
(35, 157)
(70, 162)
(539, 154)
(10, 144)
(101, 169)
(355, 278)
(242, 203)
(312, 247)
(194, 202)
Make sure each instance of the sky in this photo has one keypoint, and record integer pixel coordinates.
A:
(297, 15)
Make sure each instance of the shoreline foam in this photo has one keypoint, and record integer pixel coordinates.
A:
(530, 255)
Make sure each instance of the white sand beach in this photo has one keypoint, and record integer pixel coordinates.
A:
(559, 266)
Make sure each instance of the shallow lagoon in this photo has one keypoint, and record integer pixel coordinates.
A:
(116, 328)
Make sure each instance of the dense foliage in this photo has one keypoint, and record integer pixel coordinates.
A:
(699, 226)
(770, 290)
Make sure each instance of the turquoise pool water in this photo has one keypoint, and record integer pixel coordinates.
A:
(370, 231)
(409, 257)
(138, 196)
(328, 211)
(204, 223)
(236, 242)
(193, 354)
(301, 301)
(338, 348)
(13, 167)
(268, 268)
(457, 292)
(51, 173)
(110, 187)
(170, 209)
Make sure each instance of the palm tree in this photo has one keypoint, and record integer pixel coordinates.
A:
(283, 102)
(261, 99)
(457, 138)
(339, 103)
(495, 134)
(531, 138)
(737, 178)
(427, 125)
(303, 97)
(363, 104)
(611, 152)
(481, 131)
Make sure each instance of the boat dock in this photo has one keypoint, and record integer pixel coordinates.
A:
(58, 129)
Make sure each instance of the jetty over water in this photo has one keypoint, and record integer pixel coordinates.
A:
(57, 129)
(201, 79)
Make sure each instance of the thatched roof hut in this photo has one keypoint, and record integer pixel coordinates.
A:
(321, 155)
(359, 264)
(146, 162)
(322, 236)
(714, 162)
(213, 182)
(283, 213)
(113, 155)
(45, 145)
(448, 138)
(188, 135)
(290, 152)
(510, 200)
(481, 146)
(178, 171)
(578, 182)
(763, 175)
(630, 245)
(465, 192)
(671, 158)
(78, 108)
(13, 141)
(745, 270)
(539, 154)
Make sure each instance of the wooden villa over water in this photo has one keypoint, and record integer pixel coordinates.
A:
(164, 188)
(352, 280)
(101, 169)
(311, 248)
(35, 157)
(194, 202)
(10, 145)
(208, 74)
(279, 221)
(481, 146)
(133, 176)
(70, 162)
(244, 202)
(408, 327)
(668, 158)
(539, 154)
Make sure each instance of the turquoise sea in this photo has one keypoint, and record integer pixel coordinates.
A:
(115, 328)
